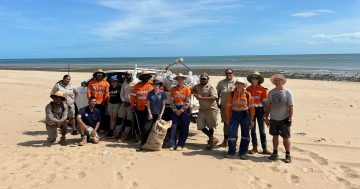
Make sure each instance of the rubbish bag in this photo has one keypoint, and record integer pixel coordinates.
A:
(157, 135)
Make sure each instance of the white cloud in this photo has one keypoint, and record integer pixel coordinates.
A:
(341, 38)
(156, 18)
(311, 13)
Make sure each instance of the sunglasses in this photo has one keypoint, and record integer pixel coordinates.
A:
(256, 78)
(228, 73)
(203, 79)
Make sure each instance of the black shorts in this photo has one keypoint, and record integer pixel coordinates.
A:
(281, 128)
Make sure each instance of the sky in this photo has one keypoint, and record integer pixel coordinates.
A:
(162, 28)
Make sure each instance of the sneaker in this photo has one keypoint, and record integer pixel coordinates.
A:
(171, 148)
(224, 144)
(254, 150)
(266, 152)
(74, 132)
(140, 149)
(63, 141)
(179, 148)
(83, 141)
(274, 157)
(230, 156)
(243, 157)
(288, 158)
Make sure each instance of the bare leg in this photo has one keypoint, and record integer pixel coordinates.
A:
(72, 122)
(276, 142)
(286, 142)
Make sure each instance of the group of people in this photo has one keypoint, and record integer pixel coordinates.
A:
(143, 103)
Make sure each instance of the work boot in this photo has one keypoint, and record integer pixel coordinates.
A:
(224, 144)
(63, 141)
(254, 150)
(288, 158)
(137, 138)
(83, 140)
(266, 151)
(274, 156)
(212, 143)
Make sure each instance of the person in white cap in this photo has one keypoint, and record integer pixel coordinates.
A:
(56, 115)
(280, 109)
(239, 111)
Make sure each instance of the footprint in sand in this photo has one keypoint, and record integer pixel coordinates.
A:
(344, 181)
(51, 177)
(119, 175)
(349, 173)
(82, 174)
(134, 185)
(294, 179)
(278, 169)
(258, 183)
(318, 159)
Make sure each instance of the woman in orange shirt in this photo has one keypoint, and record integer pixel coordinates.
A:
(239, 110)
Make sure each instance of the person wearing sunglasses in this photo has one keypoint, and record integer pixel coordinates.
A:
(224, 88)
(260, 96)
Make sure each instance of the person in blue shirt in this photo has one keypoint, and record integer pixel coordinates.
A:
(88, 120)
(155, 106)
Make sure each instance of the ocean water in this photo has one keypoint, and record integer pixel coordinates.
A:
(321, 63)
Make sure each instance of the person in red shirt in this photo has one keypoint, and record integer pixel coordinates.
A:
(138, 102)
(98, 87)
(239, 110)
(260, 96)
(180, 104)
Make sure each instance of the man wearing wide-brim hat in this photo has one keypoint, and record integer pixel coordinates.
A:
(139, 102)
(56, 115)
(260, 97)
(280, 110)
(99, 88)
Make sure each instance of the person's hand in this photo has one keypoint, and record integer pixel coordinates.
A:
(126, 104)
(267, 122)
(252, 124)
(160, 116)
(150, 117)
(93, 133)
(178, 112)
(289, 121)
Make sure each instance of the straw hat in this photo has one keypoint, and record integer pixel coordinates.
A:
(180, 75)
(144, 73)
(58, 94)
(257, 74)
(99, 71)
(278, 76)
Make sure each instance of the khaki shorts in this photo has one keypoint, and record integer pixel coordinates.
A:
(125, 112)
(223, 114)
(207, 118)
(52, 132)
(71, 111)
(113, 108)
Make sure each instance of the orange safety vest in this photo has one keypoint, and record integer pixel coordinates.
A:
(180, 96)
(259, 95)
(98, 89)
(237, 103)
(138, 95)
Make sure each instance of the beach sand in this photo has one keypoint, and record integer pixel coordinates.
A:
(325, 146)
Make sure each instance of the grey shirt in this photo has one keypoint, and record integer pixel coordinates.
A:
(280, 101)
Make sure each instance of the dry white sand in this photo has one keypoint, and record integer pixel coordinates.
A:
(325, 146)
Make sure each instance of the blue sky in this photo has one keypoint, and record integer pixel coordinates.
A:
(138, 28)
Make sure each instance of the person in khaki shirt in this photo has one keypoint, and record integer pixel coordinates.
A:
(207, 120)
(56, 114)
(224, 88)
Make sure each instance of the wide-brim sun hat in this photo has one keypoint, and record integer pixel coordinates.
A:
(144, 73)
(277, 76)
(257, 74)
(180, 75)
(99, 71)
(156, 82)
(58, 94)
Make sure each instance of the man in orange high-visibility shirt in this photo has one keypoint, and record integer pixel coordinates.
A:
(98, 87)
(180, 104)
(139, 102)
(259, 94)
(239, 110)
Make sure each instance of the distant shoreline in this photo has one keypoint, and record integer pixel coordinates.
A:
(216, 71)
